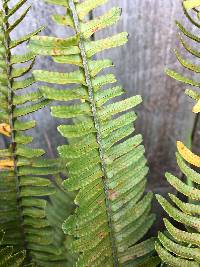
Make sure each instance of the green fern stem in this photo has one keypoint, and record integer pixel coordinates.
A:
(97, 127)
(194, 131)
(7, 41)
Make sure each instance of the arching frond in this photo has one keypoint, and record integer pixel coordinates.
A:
(180, 244)
(105, 160)
(58, 208)
(24, 184)
(187, 5)
(181, 247)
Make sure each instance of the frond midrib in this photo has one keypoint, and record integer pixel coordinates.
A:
(97, 127)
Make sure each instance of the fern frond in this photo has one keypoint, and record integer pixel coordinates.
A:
(24, 184)
(180, 244)
(106, 163)
(58, 208)
(187, 5)
(179, 247)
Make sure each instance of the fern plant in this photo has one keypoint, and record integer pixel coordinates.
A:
(24, 184)
(105, 160)
(180, 246)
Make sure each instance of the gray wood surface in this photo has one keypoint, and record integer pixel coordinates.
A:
(165, 115)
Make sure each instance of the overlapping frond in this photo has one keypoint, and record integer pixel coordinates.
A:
(180, 245)
(106, 162)
(187, 5)
(58, 208)
(24, 184)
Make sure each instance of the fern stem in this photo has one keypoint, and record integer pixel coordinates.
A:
(193, 133)
(97, 127)
(7, 41)
(194, 129)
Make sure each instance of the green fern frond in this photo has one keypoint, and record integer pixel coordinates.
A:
(180, 245)
(187, 5)
(105, 161)
(24, 184)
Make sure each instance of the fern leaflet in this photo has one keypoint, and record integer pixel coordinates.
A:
(181, 247)
(60, 206)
